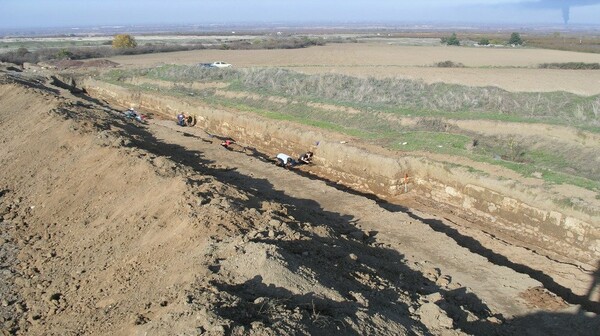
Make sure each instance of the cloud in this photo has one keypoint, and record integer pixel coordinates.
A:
(564, 5)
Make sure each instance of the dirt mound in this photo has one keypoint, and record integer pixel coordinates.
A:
(74, 64)
(107, 227)
(101, 63)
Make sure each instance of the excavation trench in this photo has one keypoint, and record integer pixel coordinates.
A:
(508, 209)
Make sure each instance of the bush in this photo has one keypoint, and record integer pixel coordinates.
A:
(21, 52)
(452, 40)
(64, 54)
(484, 41)
(124, 41)
(19, 56)
(449, 64)
(515, 38)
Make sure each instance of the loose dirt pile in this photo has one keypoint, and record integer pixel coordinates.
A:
(107, 228)
(76, 64)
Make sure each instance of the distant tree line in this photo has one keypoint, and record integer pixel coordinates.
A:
(124, 44)
(515, 39)
(571, 66)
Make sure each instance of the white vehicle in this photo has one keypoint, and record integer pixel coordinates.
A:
(220, 65)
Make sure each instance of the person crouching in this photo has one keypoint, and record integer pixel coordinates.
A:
(306, 158)
(284, 160)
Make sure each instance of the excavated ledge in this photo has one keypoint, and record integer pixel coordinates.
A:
(507, 208)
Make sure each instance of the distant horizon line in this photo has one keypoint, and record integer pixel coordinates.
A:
(341, 25)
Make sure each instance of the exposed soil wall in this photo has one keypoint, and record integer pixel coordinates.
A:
(506, 208)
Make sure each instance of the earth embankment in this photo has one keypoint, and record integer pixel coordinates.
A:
(107, 229)
(521, 210)
(109, 226)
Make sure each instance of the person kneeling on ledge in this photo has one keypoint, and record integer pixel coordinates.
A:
(284, 160)
(306, 158)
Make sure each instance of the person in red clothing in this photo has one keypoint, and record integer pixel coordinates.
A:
(227, 143)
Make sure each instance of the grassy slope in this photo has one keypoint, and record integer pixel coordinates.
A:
(382, 103)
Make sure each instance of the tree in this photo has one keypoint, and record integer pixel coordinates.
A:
(515, 38)
(22, 51)
(64, 54)
(124, 41)
(484, 41)
(452, 40)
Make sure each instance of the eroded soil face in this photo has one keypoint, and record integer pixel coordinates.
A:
(109, 226)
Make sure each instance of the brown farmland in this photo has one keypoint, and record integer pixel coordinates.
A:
(512, 69)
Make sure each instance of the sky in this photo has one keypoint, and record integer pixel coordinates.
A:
(18, 14)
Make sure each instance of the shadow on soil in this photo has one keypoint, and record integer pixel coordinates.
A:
(375, 283)
(474, 246)
(378, 283)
